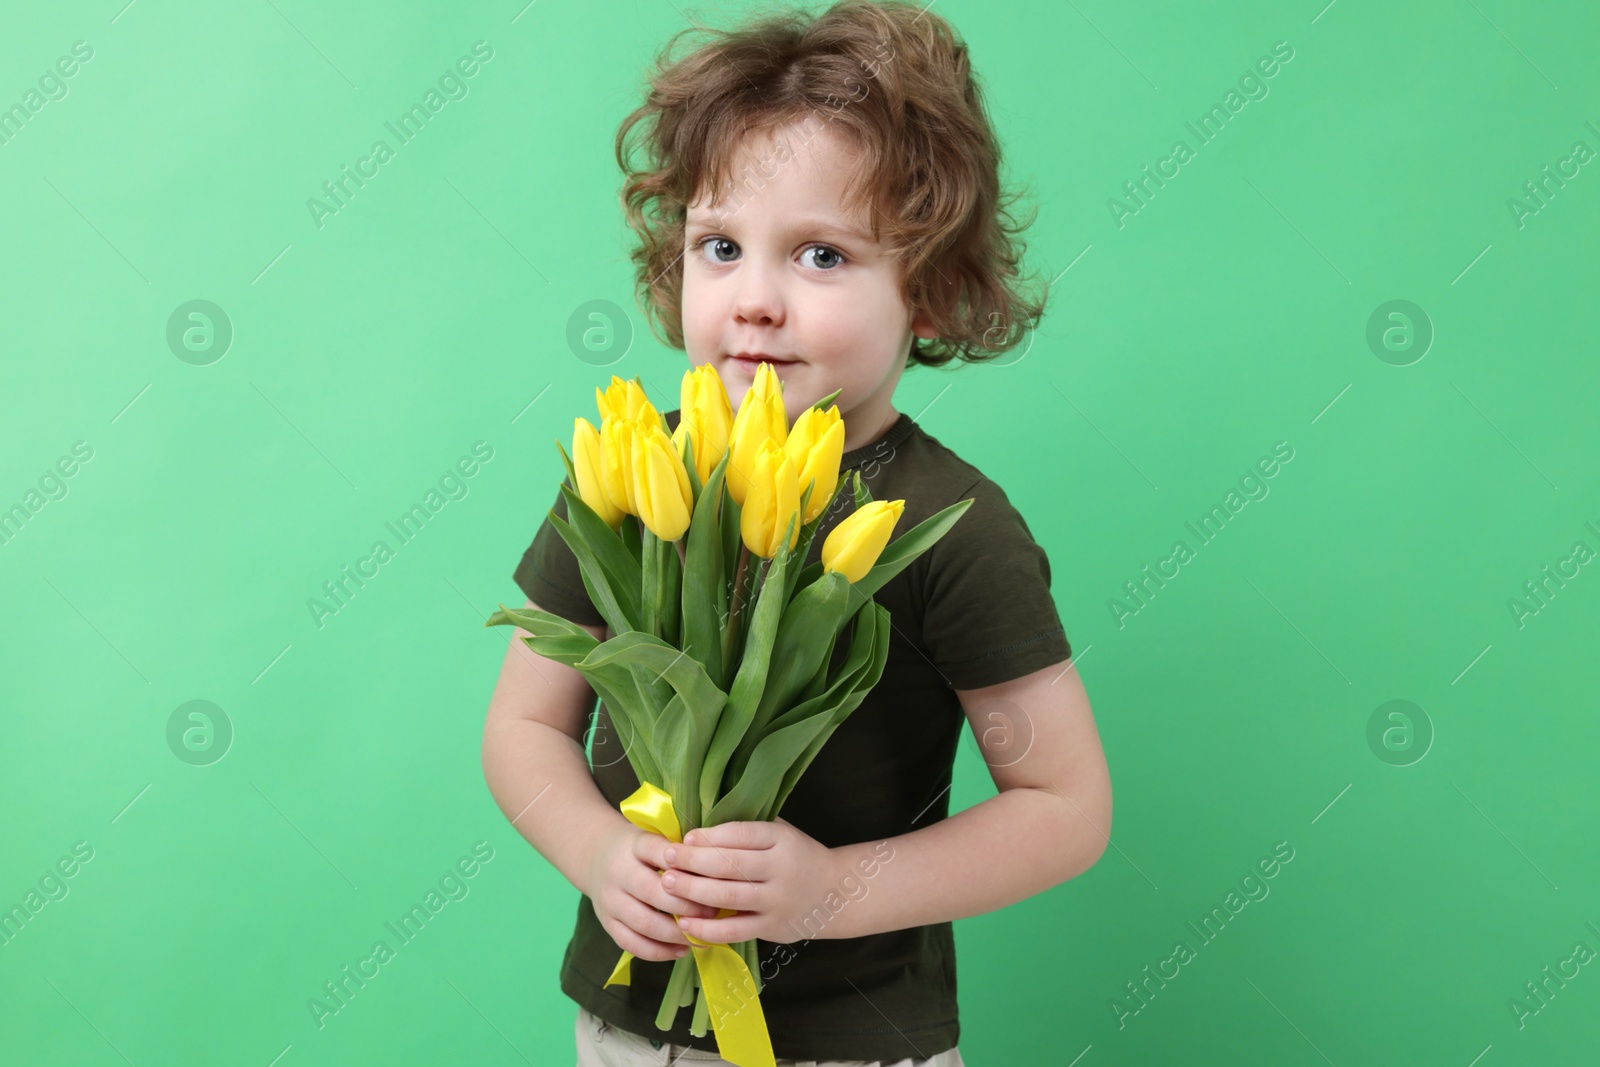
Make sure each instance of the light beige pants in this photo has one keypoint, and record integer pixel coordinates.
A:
(602, 1045)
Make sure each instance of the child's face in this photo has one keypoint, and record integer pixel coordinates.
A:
(783, 271)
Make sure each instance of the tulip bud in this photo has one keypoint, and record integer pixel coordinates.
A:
(626, 400)
(587, 464)
(616, 469)
(816, 446)
(772, 501)
(611, 402)
(705, 417)
(660, 484)
(855, 544)
(761, 418)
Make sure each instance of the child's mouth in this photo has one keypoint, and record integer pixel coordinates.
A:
(753, 363)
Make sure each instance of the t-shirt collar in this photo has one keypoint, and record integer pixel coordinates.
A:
(898, 431)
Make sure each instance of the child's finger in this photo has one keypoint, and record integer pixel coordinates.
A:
(677, 905)
(749, 834)
(721, 931)
(720, 861)
(628, 936)
(651, 848)
(721, 892)
(656, 925)
(655, 894)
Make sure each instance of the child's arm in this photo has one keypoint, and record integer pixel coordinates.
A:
(1050, 822)
(535, 767)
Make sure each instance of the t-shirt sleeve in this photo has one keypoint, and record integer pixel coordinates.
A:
(988, 614)
(548, 573)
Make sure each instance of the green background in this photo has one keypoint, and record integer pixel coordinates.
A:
(1435, 870)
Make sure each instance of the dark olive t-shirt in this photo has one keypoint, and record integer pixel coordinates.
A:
(974, 610)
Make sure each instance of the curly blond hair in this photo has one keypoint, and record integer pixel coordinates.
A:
(896, 81)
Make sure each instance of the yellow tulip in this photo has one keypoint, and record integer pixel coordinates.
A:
(773, 499)
(626, 400)
(629, 434)
(761, 419)
(612, 402)
(616, 469)
(705, 416)
(855, 544)
(815, 446)
(660, 484)
(587, 464)
(690, 429)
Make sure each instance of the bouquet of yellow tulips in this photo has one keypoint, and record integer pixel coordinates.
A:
(691, 545)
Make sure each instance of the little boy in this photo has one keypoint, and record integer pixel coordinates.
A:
(868, 232)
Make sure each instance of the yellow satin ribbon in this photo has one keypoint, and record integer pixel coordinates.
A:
(734, 1006)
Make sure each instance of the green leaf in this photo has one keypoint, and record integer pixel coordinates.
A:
(863, 494)
(797, 575)
(680, 745)
(818, 680)
(808, 574)
(683, 731)
(607, 554)
(761, 780)
(555, 638)
(745, 694)
(732, 551)
(811, 624)
(563, 649)
(538, 622)
(731, 541)
(869, 652)
(634, 727)
(857, 660)
(705, 586)
(691, 468)
(599, 589)
(822, 405)
(566, 461)
(805, 498)
(650, 592)
(627, 689)
(631, 539)
(672, 593)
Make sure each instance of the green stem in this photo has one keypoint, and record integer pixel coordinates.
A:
(683, 970)
(651, 583)
(729, 642)
(702, 1016)
(692, 986)
(759, 579)
(752, 959)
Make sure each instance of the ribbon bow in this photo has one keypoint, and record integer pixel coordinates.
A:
(734, 1005)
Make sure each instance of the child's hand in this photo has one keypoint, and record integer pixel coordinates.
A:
(771, 872)
(629, 899)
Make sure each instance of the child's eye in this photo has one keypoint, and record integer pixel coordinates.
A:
(720, 242)
(838, 257)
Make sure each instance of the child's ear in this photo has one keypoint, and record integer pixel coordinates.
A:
(923, 326)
